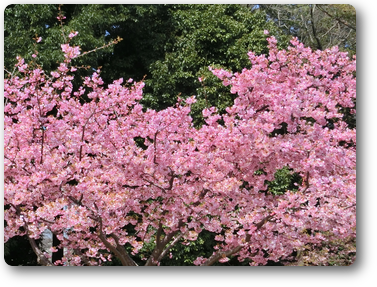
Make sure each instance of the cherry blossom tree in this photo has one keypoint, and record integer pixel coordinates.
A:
(108, 177)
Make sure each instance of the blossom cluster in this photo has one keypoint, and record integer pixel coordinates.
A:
(89, 170)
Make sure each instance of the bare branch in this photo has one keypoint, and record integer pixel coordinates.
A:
(319, 45)
(336, 18)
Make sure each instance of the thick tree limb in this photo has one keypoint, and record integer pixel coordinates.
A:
(118, 250)
(159, 252)
(42, 259)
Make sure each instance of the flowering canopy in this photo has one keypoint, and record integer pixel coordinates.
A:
(88, 170)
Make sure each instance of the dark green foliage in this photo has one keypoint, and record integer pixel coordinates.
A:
(140, 142)
(284, 180)
(185, 252)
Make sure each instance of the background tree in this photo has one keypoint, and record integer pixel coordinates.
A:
(319, 26)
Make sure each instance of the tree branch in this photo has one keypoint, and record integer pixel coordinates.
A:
(152, 183)
(337, 19)
(319, 45)
(306, 182)
(40, 256)
(171, 180)
(42, 144)
(117, 250)
(83, 257)
(220, 254)
(155, 148)
(123, 251)
(164, 189)
(201, 196)
(163, 254)
(159, 252)
(82, 140)
(75, 201)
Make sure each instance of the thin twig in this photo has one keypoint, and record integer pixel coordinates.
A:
(337, 19)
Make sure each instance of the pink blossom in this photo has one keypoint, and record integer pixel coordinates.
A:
(53, 249)
(72, 34)
(199, 261)
(70, 52)
(63, 68)
(190, 100)
(55, 74)
(224, 259)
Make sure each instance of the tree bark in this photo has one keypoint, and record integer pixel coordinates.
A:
(319, 45)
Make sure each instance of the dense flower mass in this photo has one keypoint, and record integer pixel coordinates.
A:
(88, 170)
